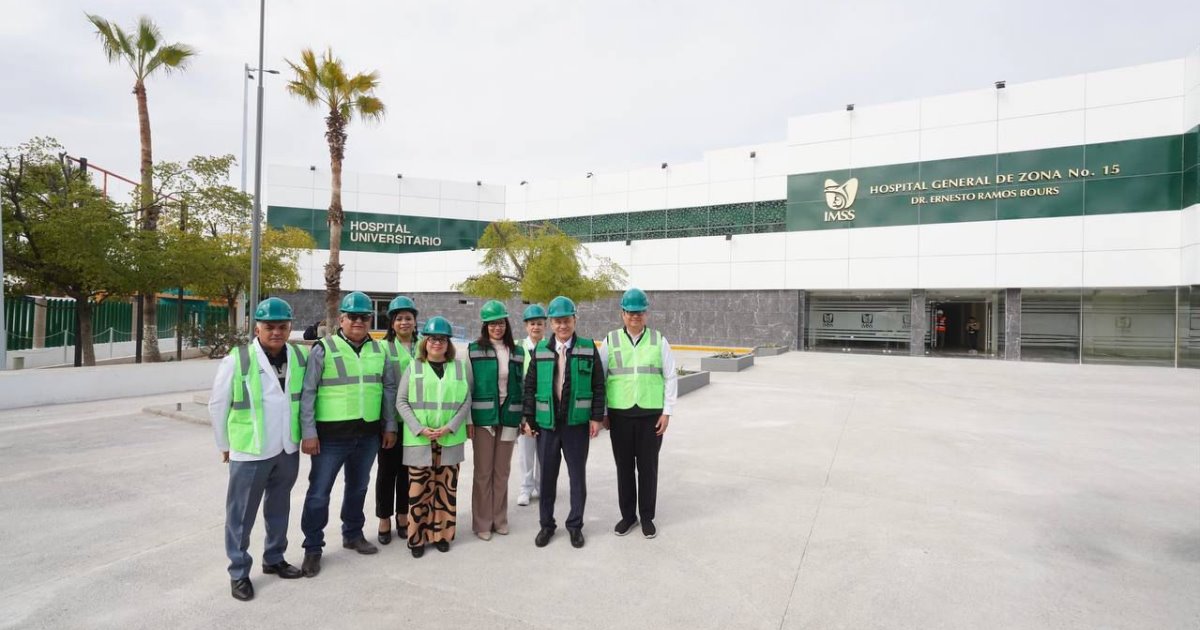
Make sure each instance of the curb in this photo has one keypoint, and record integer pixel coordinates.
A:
(175, 415)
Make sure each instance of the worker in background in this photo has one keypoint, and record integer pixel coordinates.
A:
(391, 476)
(531, 475)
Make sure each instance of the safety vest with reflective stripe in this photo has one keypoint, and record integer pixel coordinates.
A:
(579, 399)
(351, 386)
(635, 373)
(399, 357)
(245, 419)
(434, 401)
(528, 345)
(485, 390)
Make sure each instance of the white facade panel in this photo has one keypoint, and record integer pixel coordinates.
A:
(703, 249)
(376, 184)
(420, 187)
(1131, 268)
(1135, 83)
(817, 245)
(491, 211)
(758, 247)
(1043, 131)
(383, 204)
(618, 252)
(705, 276)
(883, 273)
(882, 242)
(459, 209)
(732, 191)
(290, 197)
(574, 206)
(963, 108)
(819, 156)
(769, 188)
(609, 203)
(817, 274)
(1139, 230)
(951, 272)
(1135, 120)
(1189, 265)
(654, 277)
(651, 199)
(460, 191)
(646, 178)
(885, 118)
(1043, 97)
(610, 183)
(1027, 236)
(756, 275)
(953, 142)
(894, 148)
(957, 239)
(492, 193)
(687, 196)
(821, 127)
(730, 164)
(294, 176)
(771, 160)
(1044, 270)
(688, 174)
(657, 252)
(575, 187)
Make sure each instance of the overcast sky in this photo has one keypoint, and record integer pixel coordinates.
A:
(509, 90)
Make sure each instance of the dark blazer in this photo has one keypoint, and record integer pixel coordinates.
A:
(560, 411)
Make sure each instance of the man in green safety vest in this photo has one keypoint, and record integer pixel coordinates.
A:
(346, 410)
(531, 476)
(564, 408)
(255, 411)
(641, 389)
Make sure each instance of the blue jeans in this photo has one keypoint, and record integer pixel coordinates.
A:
(357, 454)
(248, 483)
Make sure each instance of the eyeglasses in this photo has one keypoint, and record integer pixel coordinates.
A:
(358, 317)
(438, 340)
(635, 314)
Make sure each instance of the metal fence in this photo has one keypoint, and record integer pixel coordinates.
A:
(112, 321)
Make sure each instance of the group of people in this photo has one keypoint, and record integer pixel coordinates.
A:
(412, 403)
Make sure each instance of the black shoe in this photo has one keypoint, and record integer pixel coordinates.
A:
(576, 537)
(648, 528)
(417, 552)
(361, 546)
(385, 537)
(283, 570)
(624, 526)
(442, 545)
(544, 536)
(242, 589)
(311, 565)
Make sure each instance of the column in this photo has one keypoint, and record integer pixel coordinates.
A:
(919, 323)
(801, 318)
(1012, 324)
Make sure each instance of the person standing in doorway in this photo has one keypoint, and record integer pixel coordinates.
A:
(973, 334)
(434, 404)
(345, 414)
(391, 476)
(497, 367)
(939, 328)
(255, 414)
(641, 388)
(564, 408)
(531, 475)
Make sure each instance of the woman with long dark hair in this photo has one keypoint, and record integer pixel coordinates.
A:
(497, 367)
(391, 477)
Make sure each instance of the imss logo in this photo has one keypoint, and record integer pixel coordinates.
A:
(840, 198)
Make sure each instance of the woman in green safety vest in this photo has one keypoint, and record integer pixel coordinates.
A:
(497, 369)
(434, 403)
(391, 477)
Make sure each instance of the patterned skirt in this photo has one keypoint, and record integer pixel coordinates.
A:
(432, 501)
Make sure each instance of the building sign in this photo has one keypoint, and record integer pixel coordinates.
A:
(1142, 175)
(385, 233)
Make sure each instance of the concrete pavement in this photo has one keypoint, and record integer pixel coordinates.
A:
(811, 491)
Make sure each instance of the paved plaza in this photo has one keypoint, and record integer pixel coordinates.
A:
(811, 491)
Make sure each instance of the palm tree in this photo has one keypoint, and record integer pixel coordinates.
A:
(325, 84)
(140, 50)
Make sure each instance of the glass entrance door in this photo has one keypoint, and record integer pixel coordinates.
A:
(963, 323)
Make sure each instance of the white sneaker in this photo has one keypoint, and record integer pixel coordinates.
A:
(523, 499)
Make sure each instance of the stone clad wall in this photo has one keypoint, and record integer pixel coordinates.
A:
(720, 318)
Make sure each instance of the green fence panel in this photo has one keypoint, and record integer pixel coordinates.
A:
(112, 321)
(18, 322)
(60, 322)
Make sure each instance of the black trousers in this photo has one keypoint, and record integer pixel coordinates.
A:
(635, 451)
(391, 483)
(570, 443)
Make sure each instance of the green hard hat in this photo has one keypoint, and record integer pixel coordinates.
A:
(492, 311)
(273, 310)
(635, 301)
(561, 306)
(533, 311)
(437, 325)
(357, 302)
(402, 303)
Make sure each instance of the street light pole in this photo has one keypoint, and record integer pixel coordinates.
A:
(256, 227)
(245, 118)
(3, 320)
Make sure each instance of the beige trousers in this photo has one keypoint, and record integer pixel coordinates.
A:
(489, 490)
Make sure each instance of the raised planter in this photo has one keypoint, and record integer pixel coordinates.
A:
(769, 351)
(735, 363)
(691, 381)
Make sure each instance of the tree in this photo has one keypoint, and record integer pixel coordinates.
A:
(61, 236)
(140, 50)
(211, 254)
(324, 83)
(539, 262)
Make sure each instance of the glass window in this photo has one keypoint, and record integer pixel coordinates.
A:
(1189, 326)
(875, 322)
(1129, 326)
(1050, 325)
(381, 316)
